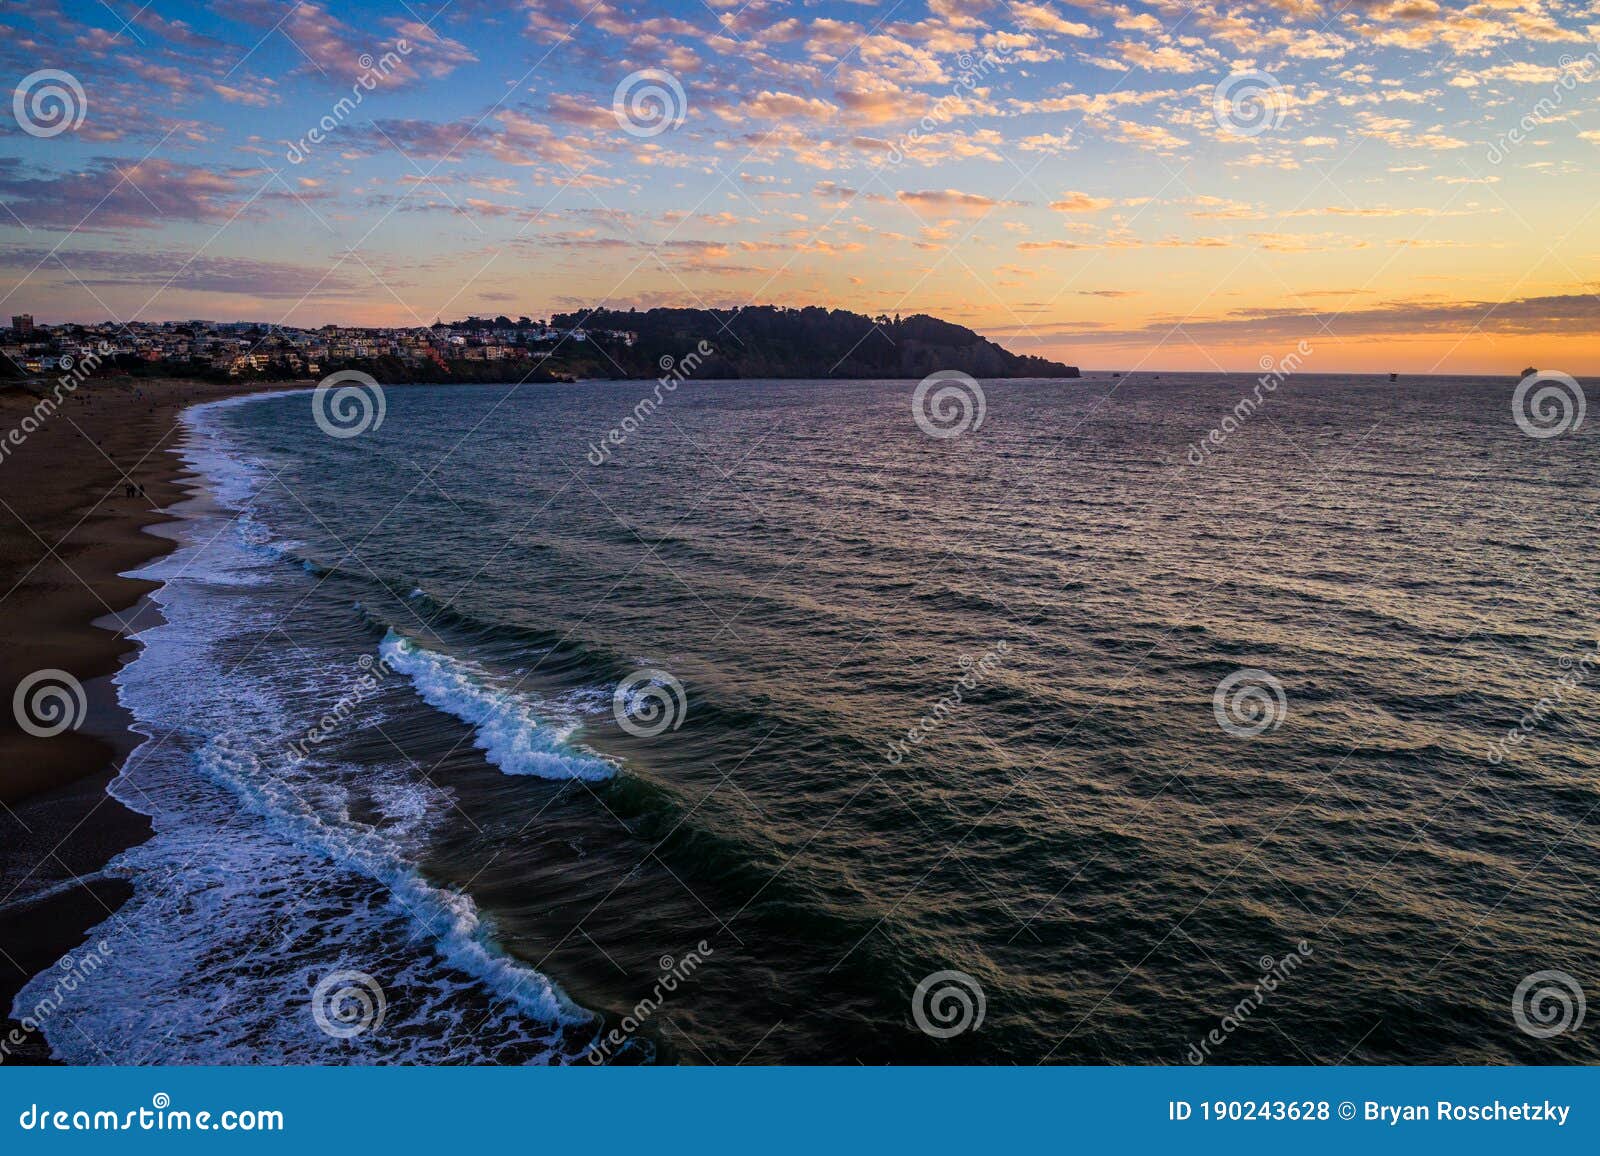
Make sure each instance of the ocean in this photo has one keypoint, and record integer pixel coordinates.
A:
(758, 725)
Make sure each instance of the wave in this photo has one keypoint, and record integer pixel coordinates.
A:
(463, 936)
(506, 728)
(264, 873)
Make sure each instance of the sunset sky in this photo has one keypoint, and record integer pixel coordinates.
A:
(1415, 188)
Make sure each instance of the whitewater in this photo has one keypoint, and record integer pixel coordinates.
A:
(267, 874)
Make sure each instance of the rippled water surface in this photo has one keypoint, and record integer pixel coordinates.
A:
(1077, 822)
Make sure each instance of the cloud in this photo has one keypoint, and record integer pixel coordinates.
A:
(1399, 133)
(259, 97)
(1575, 314)
(120, 194)
(569, 109)
(1043, 18)
(784, 106)
(1127, 241)
(936, 147)
(179, 271)
(952, 201)
(332, 50)
(1164, 58)
(1149, 136)
(1306, 243)
(881, 105)
(512, 136)
(435, 55)
(1081, 203)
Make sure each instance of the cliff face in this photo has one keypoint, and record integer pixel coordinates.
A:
(768, 341)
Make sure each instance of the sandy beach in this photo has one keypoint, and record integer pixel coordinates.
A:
(72, 530)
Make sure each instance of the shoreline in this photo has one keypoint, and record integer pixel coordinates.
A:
(166, 691)
(74, 533)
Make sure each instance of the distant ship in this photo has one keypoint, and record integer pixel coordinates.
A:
(1531, 371)
(1394, 377)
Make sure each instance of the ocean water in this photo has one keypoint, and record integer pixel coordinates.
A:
(730, 739)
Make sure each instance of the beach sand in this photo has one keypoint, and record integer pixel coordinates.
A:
(71, 530)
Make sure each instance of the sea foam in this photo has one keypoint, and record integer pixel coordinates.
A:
(265, 875)
(506, 728)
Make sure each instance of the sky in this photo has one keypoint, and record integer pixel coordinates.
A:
(1401, 185)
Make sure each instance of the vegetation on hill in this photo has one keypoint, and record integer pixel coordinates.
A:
(771, 341)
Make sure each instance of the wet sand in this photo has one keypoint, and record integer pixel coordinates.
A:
(71, 530)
